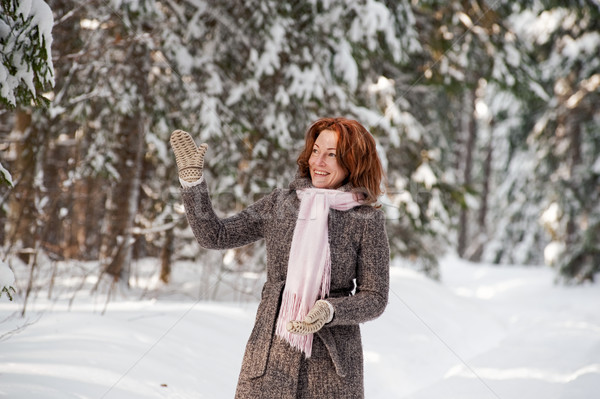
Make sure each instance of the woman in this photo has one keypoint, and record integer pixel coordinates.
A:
(327, 262)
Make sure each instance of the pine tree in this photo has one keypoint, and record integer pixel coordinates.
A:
(566, 139)
(547, 177)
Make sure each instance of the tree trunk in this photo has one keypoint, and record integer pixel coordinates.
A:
(166, 254)
(469, 128)
(56, 225)
(122, 203)
(22, 220)
(485, 191)
(124, 197)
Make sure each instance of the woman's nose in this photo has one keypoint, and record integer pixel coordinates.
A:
(321, 159)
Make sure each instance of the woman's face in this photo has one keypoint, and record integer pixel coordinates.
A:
(325, 171)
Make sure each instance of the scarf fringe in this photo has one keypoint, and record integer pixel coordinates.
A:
(292, 309)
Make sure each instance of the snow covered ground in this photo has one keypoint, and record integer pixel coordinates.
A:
(483, 332)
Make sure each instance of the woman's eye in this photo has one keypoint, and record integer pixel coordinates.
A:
(332, 154)
(314, 151)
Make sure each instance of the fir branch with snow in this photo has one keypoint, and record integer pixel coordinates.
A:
(8, 292)
(7, 279)
(26, 68)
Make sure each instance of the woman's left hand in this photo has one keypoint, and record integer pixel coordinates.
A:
(316, 318)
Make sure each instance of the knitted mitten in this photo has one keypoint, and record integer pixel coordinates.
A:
(189, 158)
(317, 317)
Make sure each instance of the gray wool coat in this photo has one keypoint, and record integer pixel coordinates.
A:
(271, 368)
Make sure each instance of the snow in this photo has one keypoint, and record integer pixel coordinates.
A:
(7, 278)
(588, 43)
(306, 83)
(553, 251)
(596, 166)
(6, 176)
(269, 61)
(551, 217)
(374, 17)
(483, 332)
(424, 175)
(345, 65)
(538, 26)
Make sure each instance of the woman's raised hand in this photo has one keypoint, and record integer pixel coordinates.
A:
(189, 158)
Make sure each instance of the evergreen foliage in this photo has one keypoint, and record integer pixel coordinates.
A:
(551, 189)
(10, 291)
(26, 68)
(483, 113)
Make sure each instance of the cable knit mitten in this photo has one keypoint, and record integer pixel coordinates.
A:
(317, 317)
(189, 158)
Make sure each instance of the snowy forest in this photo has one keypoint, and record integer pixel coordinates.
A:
(484, 112)
(485, 117)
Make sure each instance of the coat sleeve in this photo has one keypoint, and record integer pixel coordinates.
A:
(372, 278)
(213, 232)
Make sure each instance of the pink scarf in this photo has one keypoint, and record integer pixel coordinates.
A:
(309, 266)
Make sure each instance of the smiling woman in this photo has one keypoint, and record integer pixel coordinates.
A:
(327, 262)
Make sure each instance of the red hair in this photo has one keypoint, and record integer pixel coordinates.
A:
(356, 153)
